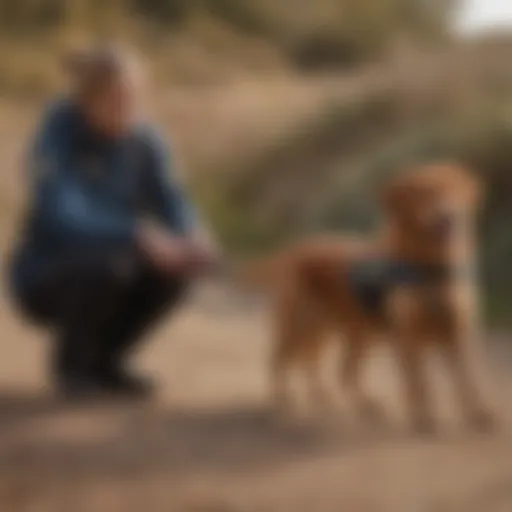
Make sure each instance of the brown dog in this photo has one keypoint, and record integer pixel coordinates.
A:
(413, 284)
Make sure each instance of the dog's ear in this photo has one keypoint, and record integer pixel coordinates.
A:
(475, 188)
(467, 183)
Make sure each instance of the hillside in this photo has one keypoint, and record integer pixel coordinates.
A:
(286, 120)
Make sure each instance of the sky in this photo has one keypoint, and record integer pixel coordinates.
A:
(478, 15)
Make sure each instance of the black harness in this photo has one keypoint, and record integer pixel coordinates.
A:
(373, 280)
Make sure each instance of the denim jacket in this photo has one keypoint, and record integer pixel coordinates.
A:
(86, 191)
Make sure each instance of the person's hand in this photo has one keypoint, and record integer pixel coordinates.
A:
(193, 256)
(205, 257)
(166, 252)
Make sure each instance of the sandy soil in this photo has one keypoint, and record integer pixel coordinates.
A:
(210, 443)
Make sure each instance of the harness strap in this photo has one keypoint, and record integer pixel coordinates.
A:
(373, 280)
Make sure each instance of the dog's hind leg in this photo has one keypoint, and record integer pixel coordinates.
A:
(298, 330)
(282, 358)
(318, 395)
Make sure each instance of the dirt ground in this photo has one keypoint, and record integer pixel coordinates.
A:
(210, 443)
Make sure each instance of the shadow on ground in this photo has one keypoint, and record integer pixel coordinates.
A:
(141, 440)
(45, 440)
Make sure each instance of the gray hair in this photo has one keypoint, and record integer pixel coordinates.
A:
(93, 68)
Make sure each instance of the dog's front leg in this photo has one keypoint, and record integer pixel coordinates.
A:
(457, 359)
(407, 339)
(410, 356)
(357, 342)
(463, 354)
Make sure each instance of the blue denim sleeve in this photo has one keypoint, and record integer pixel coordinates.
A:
(61, 208)
(168, 199)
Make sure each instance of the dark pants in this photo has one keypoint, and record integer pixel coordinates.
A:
(100, 305)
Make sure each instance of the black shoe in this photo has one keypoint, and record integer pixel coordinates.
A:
(121, 383)
(78, 387)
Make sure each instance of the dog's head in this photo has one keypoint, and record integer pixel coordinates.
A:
(433, 203)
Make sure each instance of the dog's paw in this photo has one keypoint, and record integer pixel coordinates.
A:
(286, 413)
(323, 406)
(424, 426)
(483, 420)
(372, 412)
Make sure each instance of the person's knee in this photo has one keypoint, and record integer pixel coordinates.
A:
(100, 282)
(114, 272)
(160, 287)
